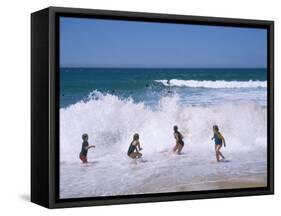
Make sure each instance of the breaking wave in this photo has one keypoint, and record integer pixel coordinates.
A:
(213, 84)
(111, 123)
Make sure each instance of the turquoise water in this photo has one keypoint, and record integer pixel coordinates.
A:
(149, 85)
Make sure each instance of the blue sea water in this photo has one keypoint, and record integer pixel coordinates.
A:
(149, 85)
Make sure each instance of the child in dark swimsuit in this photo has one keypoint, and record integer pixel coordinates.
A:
(85, 148)
(219, 140)
(179, 141)
(134, 148)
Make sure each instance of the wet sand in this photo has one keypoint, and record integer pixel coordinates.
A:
(219, 185)
(250, 181)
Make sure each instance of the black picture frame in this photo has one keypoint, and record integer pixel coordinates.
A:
(45, 107)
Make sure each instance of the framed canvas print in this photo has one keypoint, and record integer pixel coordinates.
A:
(139, 107)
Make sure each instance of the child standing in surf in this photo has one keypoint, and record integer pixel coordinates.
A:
(179, 141)
(219, 140)
(134, 148)
(85, 148)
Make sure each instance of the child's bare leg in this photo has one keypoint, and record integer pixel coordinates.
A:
(217, 152)
(180, 148)
(139, 155)
(176, 148)
(221, 155)
(133, 155)
(217, 157)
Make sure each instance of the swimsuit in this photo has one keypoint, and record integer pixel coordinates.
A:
(180, 141)
(218, 141)
(84, 152)
(83, 158)
(131, 149)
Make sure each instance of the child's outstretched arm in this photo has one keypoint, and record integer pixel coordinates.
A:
(223, 140)
(137, 149)
(91, 146)
(138, 145)
(177, 137)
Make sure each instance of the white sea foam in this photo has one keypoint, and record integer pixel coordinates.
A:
(111, 123)
(214, 84)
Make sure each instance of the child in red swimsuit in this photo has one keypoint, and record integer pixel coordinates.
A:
(85, 148)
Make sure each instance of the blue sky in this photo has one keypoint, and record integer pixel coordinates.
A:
(112, 43)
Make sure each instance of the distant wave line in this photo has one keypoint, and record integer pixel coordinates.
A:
(213, 84)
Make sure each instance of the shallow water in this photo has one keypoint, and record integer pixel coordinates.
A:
(161, 172)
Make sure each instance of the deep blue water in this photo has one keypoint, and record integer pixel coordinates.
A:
(149, 85)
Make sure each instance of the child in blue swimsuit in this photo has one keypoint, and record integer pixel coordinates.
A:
(134, 148)
(219, 140)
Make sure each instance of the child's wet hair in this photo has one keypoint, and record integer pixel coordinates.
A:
(175, 128)
(136, 136)
(216, 128)
(85, 136)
